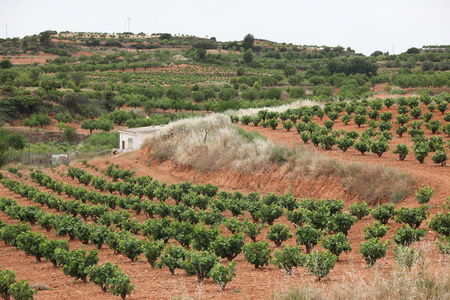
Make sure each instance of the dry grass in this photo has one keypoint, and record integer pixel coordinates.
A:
(399, 284)
(212, 143)
(280, 109)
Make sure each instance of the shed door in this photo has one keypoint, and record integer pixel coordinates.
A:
(130, 143)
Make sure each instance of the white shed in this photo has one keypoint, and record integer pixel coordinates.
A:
(133, 138)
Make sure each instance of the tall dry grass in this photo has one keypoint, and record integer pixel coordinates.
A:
(212, 143)
(399, 284)
(279, 109)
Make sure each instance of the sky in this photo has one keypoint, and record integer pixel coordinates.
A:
(366, 26)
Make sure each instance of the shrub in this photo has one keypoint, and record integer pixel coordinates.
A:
(360, 119)
(434, 125)
(222, 275)
(21, 290)
(200, 264)
(278, 233)
(373, 249)
(257, 254)
(203, 236)
(336, 244)
(269, 213)
(153, 250)
(383, 213)
(359, 210)
(379, 147)
(421, 151)
(320, 263)
(252, 230)
(228, 247)
(48, 250)
(234, 225)
(308, 236)
(75, 263)
(30, 242)
(406, 256)
(328, 124)
(402, 150)
(423, 194)
(444, 244)
(346, 118)
(288, 124)
(99, 274)
(173, 258)
(328, 141)
(441, 223)
(341, 222)
(345, 143)
(363, 145)
(377, 231)
(401, 130)
(406, 235)
(119, 285)
(131, 247)
(440, 157)
(288, 258)
(411, 216)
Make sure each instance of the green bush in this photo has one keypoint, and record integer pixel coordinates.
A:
(377, 231)
(406, 256)
(75, 263)
(373, 249)
(412, 216)
(320, 263)
(222, 275)
(200, 264)
(173, 258)
(407, 235)
(402, 150)
(423, 194)
(278, 233)
(308, 236)
(444, 244)
(359, 210)
(336, 244)
(252, 230)
(288, 258)
(257, 254)
(441, 223)
(228, 247)
(383, 213)
(440, 157)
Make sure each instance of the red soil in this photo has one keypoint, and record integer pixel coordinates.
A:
(248, 283)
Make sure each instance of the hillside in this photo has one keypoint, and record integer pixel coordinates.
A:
(259, 134)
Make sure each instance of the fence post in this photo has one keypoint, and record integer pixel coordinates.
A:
(29, 149)
(97, 144)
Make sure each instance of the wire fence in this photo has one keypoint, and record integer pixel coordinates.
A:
(45, 160)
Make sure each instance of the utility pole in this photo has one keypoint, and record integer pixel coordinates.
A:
(6, 26)
(129, 28)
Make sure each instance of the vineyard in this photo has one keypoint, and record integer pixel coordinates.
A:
(285, 171)
(110, 219)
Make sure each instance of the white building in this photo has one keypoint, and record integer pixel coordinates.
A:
(133, 138)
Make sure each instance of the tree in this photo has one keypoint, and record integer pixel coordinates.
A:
(78, 78)
(10, 140)
(70, 133)
(248, 56)
(248, 42)
(5, 64)
(45, 38)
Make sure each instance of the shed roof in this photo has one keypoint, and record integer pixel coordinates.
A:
(147, 129)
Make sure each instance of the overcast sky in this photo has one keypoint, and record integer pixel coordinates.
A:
(365, 26)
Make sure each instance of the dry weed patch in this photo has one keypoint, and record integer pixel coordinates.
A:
(212, 143)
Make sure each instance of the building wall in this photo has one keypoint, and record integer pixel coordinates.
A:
(134, 142)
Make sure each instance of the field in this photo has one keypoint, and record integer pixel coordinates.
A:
(251, 156)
